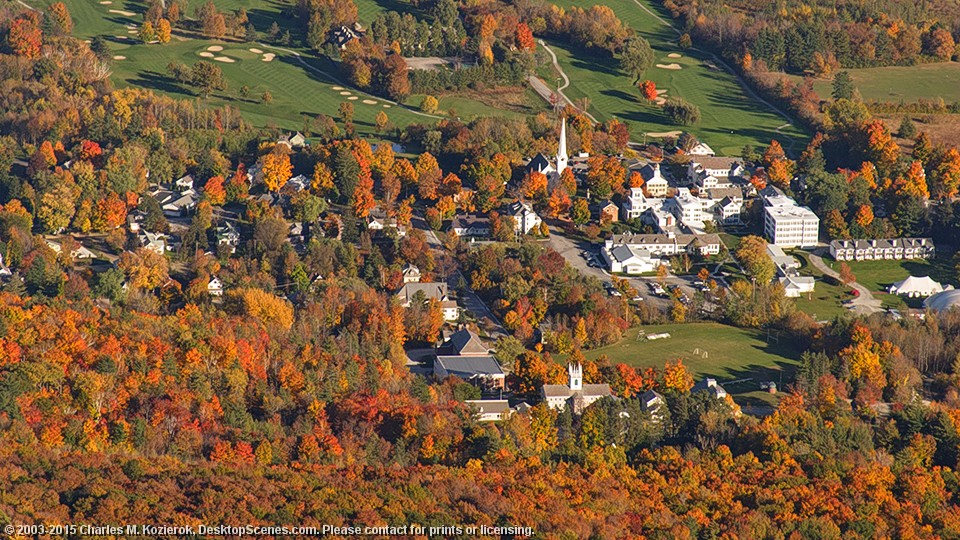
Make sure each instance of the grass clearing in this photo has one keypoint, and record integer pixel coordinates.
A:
(732, 353)
(730, 118)
(900, 83)
(877, 276)
(297, 92)
(825, 302)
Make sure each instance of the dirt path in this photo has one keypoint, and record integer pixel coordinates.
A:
(545, 92)
(864, 303)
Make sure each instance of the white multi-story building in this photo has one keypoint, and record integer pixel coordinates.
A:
(786, 223)
(527, 220)
(690, 209)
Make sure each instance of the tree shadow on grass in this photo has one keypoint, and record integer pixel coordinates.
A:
(159, 82)
(596, 64)
(619, 94)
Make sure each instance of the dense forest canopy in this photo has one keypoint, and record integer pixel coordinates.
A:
(131, 392)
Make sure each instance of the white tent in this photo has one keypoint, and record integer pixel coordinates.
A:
(916, 286)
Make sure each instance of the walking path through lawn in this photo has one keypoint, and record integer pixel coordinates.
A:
(864, 303)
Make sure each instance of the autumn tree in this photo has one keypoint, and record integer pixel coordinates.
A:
(147, 33)
(524, 38)
(24, 36)
(533, 185)
(676, 377)
(752, 255)
(144, 268)
(276, 169)
(429, 104)
(211, 20)
(604, 173)
(846, 274)
(265, 307)
(215, 191)
(648, 89)
(58, 19)
(428, 176)
(913, 183)
(381, 121)
(163, 31)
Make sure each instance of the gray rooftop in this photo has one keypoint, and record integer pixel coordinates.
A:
(468, 367)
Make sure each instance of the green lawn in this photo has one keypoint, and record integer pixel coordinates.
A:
(896, 83)
(731, 119)
(825, 302)
(879, 275)
(297, 92)
(731, 353)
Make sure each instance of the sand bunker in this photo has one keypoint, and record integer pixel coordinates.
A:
(215, 48)
(669, 66)
(666, 134)
(353, 98)
(131, 31)
(385, 106)
(206, 54)
(674, 55)
(256, 51)
(369, 102)
(344, 93)
(106, 3)
(121, 37)
(121, 12)
(225, 59)
(336, 88)
(660, 101)
(118, 57)
(269, 57)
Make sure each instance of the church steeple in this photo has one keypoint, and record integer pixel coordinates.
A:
(575, 371)
(562, 150)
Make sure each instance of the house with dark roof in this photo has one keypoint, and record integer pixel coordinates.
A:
(463, 342)
(575, 394)
(483, 371)
(429, 291)
(470, 226)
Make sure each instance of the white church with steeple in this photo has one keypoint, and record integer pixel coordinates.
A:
(574, 393)
(552, 169)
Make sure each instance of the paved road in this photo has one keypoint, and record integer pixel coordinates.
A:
(468, 298)
(570, 250)
(545, 91)
(864, 303)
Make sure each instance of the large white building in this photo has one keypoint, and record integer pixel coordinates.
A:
(574, 393)
(786, 223)
(624, 259)
(882, 249)
(669, 244)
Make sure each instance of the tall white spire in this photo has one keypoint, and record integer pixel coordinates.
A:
(562, 151)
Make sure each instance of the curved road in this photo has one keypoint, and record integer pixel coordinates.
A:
(545, 92)
(864, 303)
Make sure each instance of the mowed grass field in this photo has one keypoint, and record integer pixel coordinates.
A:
(297, 92)
(906, 83)
(709, 349)
(730, 117)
